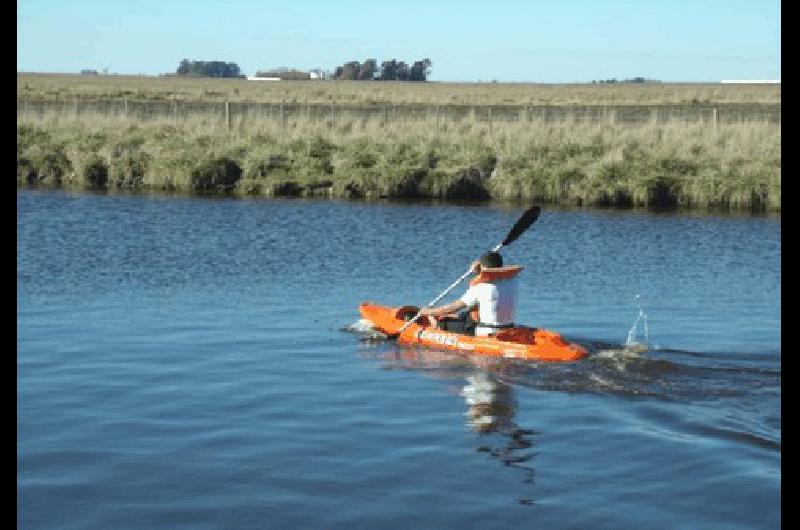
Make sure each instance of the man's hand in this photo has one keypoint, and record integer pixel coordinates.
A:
(428, 312)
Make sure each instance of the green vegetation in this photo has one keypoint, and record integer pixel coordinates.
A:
(672, 164)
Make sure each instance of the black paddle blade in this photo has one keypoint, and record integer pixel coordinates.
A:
(527, 219)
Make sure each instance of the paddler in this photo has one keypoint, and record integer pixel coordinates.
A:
(489, 304)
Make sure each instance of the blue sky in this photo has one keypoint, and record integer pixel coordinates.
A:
(506, 40)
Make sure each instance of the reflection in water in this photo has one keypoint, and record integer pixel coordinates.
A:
(491, 414)
(491, 403)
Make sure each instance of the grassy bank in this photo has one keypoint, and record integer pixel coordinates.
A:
(572, 162)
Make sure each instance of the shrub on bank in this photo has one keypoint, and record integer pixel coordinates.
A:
(215, 173)
(301, 167)
(40, 159)
(129, 163)
(459, 171)
(46, 164)
(91, 171)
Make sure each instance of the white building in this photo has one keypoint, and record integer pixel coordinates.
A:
(752, 81)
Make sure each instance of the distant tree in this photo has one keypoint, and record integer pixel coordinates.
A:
(368, 70)
(348, 71)
(184, 68)
(394, 70)
(420, 70)
(88, 72)
(208, 69)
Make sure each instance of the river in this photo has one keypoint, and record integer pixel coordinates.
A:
(192, 362)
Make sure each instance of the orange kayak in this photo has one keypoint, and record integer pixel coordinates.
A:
(514, 343)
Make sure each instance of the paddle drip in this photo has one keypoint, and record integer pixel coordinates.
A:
(631, 343)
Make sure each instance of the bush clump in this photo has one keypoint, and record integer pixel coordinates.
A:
(214, 173)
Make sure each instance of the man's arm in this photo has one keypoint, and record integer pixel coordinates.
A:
(443, 310)
(452, 307)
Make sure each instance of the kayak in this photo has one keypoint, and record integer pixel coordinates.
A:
(514, 343)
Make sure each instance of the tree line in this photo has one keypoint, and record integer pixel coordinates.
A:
(209, 69)
(391, 70)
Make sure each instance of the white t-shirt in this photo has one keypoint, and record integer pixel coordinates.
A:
(496, 302)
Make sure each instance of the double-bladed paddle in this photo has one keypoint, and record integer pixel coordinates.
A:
(524, 222)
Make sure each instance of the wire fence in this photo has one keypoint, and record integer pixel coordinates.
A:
(227, 111)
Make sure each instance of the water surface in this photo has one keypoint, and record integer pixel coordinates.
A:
(183, 362)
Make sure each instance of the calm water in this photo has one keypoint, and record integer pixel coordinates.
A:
(185, 362)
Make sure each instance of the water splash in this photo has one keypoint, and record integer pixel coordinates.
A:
(364, 328)
(631, 343)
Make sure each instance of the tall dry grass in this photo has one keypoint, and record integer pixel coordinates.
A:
(699, 164)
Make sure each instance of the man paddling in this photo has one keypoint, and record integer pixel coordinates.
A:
(493, 293)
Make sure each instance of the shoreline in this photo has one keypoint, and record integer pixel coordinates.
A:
(501, 204)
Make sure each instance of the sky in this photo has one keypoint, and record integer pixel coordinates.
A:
(554, 41)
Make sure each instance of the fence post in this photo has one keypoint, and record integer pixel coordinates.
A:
(332, 114)
(228, 114)
(76, 107)
(612, 116)
(437, 117)
(283, 114)
(385, 115)
(715, 114)
(126, 109)
(26, 109)
(490, 121)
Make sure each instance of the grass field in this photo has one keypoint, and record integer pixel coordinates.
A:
(65, 86)
(660, 163)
